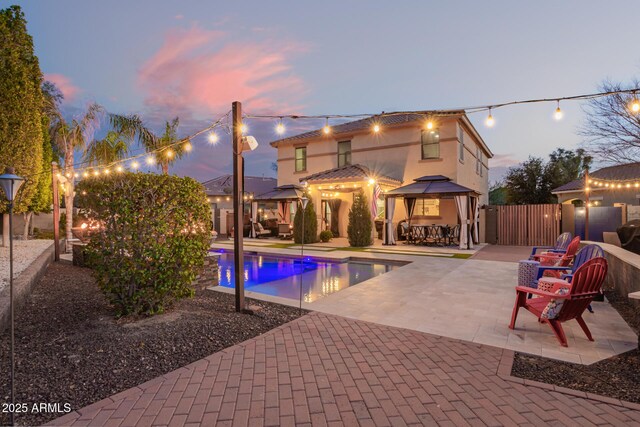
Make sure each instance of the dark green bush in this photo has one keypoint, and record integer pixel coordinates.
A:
(360, 228)
(152, 234)
(310, 225)
(325, 236)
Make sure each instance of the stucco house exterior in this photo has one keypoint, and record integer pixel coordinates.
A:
(335, 165)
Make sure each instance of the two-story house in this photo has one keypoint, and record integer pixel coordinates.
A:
(386, 151)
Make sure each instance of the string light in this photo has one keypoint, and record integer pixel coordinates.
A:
(85, 174)
(243, 128)
(96, 173)
(635, 104)
(376, 128)
(326, 129)
(213, 138)
(169, 153)
(119, 169)
(490, 120)
(280, 127)
(151, 160)
(188, 147)
(107, 171)
(429, 124)
(135, 165)
(76, 175)
(558, 114)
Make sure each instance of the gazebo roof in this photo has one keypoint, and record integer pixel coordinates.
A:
(431, 186)
(349, 173)
(282, 192)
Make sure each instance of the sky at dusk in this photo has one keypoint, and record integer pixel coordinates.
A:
(191, 59)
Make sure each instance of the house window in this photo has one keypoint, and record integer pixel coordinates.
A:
(301, 159)
(430, 144)
(461, 143)
(427, 207)
(478, 160)
(344, 153)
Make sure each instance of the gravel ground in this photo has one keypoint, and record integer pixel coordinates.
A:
(617, 377)
(70, 349)
(24, 253)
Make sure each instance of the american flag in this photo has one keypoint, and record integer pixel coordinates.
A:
(374, 200)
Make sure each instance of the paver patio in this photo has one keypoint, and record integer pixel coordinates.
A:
(328, 370)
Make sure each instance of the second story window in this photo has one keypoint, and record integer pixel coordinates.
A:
(461, 143)
(301, 159)
(430, 144)
(344, 153)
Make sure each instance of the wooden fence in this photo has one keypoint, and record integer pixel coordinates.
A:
(528, 225)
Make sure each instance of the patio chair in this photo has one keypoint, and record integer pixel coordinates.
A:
(561, 245)
(403, 230)
(454, 235)
(260, 231)
(285, 231)
(566, 300)
(559, 259)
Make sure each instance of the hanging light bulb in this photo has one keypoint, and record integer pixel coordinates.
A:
(85, 174)
(96, 173)
(107, 171)
(119, 169)
(135, 165)
(187, 147)
(634, 106)
(169, 153)
(490, 120)
(558, 114)
(151, 160)
(280, 127)
(76, 175)
(326, 129)
(213, 138)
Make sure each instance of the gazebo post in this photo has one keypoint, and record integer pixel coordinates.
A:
(385, 227)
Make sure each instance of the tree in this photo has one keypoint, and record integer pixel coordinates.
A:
(360, 225)
(20, 106)
(498, 194)
(530, 183)
(165, 145)
(108, 150)
(70, 137)
(310, 224)
(567, 165)
(611, 129)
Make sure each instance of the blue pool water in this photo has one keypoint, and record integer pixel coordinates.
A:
(281, 276)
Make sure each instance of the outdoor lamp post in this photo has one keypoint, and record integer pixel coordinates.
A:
(10, 183)
(304, 201)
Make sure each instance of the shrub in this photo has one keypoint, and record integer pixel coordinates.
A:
(310, 225)
(325, 236)
(151, 237)
(360, 228)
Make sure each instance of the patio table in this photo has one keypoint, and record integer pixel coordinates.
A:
(434, 234)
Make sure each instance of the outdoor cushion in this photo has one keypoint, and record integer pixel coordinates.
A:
(554, 306)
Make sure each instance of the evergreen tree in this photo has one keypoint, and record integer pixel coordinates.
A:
(360, 225)
(310, 224)
(21, 104)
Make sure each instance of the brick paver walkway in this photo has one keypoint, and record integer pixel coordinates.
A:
(328, 370)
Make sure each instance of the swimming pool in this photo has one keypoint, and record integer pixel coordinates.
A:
(280, 276)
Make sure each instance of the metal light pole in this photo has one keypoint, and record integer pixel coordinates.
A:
(10, 183)
(304, 201)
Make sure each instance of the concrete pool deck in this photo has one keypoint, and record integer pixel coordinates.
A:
(466, 299)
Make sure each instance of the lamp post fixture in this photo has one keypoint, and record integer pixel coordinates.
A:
(10, 183)
(304, 201)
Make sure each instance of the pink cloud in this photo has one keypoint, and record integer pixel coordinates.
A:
(62, 82)
(195, 70)
(503, 160)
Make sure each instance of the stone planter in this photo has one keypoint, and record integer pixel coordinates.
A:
(209, 275)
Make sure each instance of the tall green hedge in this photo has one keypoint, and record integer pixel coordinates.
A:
(310, 224)
(360, 225)
(153, 235)
(21, 103)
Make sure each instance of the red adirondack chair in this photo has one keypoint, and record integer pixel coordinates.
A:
(585, 285)
(557, 259)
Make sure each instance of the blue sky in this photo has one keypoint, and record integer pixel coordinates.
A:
(193, 58)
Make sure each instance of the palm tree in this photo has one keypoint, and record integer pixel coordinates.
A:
(70, 137)
(106, 151)
(165, 146)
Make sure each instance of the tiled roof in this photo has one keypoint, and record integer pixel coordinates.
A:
(626, 172)
(223, 185)
(362, 124)
(349, 173)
